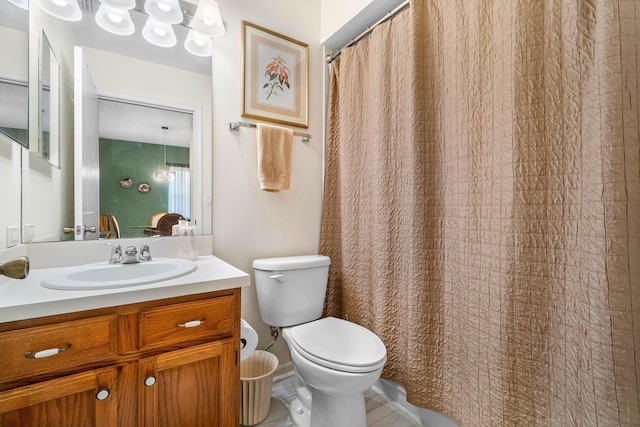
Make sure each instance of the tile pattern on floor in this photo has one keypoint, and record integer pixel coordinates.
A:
(380, 413)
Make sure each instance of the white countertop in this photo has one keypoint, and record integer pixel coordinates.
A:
(26, 298)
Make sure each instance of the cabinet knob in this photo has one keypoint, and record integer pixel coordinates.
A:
(150, 380)
(103, 393)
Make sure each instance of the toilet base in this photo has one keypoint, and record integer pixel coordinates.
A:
(300, 415)
(330, 411)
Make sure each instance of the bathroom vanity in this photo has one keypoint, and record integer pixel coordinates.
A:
(160, 354)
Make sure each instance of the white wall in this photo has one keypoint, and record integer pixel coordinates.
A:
(336, 13)
(15, 65)
(10, 176)
(342, 20)
(250, 223)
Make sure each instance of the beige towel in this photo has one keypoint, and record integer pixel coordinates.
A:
(274, 157)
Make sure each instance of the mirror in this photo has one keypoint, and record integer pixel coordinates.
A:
(127, 69)
(14, 94)
(144, 158)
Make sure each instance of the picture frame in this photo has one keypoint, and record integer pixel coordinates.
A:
(275, 70)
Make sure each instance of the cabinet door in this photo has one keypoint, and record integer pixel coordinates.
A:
(193, 387)
(83, 400)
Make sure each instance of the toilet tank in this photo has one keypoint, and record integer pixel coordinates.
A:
(291, 290)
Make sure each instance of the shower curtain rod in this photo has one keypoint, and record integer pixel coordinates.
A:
(390, 15)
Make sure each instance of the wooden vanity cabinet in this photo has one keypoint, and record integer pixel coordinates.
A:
(171, 362)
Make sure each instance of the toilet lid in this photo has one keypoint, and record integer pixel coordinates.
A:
(339, 344)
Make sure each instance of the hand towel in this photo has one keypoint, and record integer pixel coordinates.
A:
(274, 157)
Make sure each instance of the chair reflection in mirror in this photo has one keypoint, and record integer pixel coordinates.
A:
(109, 228)
(164, 224)
(116, 227)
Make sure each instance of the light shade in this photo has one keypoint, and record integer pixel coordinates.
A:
(207, 18)
(22, 4)
(67, 10)
(198, 44)
(114, 20)
(159, 33)
(167, 11)
(120, 4)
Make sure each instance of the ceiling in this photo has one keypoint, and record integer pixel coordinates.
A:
(139, 123)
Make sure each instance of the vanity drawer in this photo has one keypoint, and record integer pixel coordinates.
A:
(177, 323)
(53, 348)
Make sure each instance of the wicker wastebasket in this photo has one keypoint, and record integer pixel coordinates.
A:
(256, 377)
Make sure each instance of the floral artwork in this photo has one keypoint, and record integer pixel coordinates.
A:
(277, 73)
(275, 85)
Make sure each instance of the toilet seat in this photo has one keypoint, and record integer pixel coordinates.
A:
(338, 344)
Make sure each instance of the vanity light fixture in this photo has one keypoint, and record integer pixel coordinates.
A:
(159, 33)
(198, 44)
(207, 18)
(22, 4)
(167, 11)
(114, 20)
(67, 10)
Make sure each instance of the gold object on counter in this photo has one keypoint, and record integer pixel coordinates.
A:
(16, 268)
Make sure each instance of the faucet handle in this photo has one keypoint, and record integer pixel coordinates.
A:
(145, 252)
(116, 252)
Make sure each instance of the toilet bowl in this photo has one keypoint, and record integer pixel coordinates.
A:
(334, 360)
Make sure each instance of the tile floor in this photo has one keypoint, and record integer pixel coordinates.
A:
(380, 413)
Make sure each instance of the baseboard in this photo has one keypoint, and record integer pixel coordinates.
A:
(283, 372)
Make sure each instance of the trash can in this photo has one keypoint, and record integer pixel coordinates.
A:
(256, 377)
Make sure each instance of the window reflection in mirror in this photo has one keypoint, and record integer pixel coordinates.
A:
(14, 63)
(145, 177)
(48, 141)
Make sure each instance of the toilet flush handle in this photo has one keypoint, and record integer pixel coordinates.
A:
(279, 277)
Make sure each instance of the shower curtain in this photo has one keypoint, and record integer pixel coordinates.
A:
(482, 207)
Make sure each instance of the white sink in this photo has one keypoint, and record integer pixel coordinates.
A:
(107, 276)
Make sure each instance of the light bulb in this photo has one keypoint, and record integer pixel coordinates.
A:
(67, 10)
(198, 44)
(167, 11)
(207, 18)
(115, 18)
(159, 33)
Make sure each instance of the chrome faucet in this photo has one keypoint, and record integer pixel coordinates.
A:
(145, 252)
(116, 252)
(130, 255)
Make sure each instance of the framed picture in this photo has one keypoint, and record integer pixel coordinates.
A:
(275, 72)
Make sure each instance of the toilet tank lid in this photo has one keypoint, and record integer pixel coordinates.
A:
(291, 262)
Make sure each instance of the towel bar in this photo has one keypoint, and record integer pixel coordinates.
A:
(236, 125)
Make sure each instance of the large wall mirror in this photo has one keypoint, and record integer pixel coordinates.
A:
(14, 75)
(116, 96)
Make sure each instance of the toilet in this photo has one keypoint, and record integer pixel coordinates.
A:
(334, 360)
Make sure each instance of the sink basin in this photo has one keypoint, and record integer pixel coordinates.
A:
(108, 276)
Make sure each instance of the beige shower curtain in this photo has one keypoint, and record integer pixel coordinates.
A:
(482, 207)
